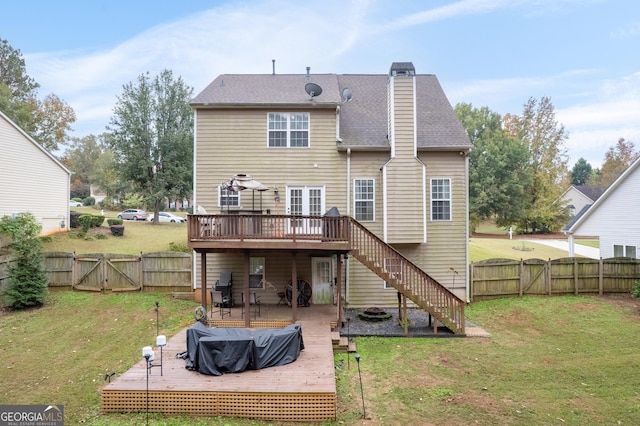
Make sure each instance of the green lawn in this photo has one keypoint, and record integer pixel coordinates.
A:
(139, 236)
(557, 360)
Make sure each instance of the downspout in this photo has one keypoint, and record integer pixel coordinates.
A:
(347, 259)
(195, 198)
(466, 178)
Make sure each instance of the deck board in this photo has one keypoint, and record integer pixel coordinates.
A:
(302, 390)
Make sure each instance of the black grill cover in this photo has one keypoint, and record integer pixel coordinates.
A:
(216, 351)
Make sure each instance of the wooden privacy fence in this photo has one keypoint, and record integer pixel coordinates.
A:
(162, 271)
(497, 278)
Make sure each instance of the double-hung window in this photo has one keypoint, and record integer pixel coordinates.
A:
(364, 199)
(288, 129)
(256, 272)
(440, 199)
(624, 251)
(227, 198)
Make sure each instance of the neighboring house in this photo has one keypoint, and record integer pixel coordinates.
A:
(386, 150)
(97, 193)
(612, 217)
(578, 196)
(32, 180)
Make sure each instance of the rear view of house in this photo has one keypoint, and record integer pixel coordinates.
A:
(383, 153)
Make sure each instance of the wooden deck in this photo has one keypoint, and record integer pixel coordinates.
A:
(304, 390)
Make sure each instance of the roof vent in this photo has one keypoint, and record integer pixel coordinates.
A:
(402, 69)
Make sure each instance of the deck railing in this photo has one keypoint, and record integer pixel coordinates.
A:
(379, 257)
(268, 227)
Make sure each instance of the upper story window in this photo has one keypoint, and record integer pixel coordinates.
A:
(288, 129)
(364, 199)
(228, 198)
(440, 199)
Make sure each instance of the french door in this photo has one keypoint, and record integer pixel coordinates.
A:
(305, 201)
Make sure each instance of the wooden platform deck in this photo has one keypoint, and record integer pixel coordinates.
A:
(304, 390)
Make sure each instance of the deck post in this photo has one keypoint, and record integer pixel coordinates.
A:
(247, 296)
(339, 285)
(203, 279)
(294, 288)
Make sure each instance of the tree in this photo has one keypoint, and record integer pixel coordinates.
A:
(152, 137)
(581, 172)
(82, 155)
(616, 160)
(544, 138)
(27, 279)
(498, 173)
(47, 121)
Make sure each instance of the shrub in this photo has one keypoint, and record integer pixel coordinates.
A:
(89, 201)
(635, 291)
(97, 220)
(114, 221)
(73, 219)
(101, 237)
(179, 247)
(27, 278)
(85, 220)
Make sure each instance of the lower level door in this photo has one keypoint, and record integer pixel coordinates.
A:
(322, 276)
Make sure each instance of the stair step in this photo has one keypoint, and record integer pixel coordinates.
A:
(335, 337)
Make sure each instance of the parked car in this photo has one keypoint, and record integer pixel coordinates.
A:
(167, 217)
(74, 203)
(133, 214)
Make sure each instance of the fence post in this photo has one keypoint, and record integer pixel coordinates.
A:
(600, 276)
(575, 275)
(549, 277)
(521, 280)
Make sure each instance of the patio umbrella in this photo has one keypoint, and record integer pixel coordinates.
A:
(242, 181)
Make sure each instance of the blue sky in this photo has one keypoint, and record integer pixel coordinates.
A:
(584, 54)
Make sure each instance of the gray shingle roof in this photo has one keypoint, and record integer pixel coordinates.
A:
(363, 120)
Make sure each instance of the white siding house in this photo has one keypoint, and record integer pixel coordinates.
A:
(32, 180)
(613, 218)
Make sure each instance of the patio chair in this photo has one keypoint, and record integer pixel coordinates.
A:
(254, 301)
(219, 302)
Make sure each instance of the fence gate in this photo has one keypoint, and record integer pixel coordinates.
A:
(103, 272)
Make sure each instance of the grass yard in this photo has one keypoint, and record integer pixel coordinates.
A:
(139, 236)
(559, 360)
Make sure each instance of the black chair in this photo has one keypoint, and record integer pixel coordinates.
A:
(254, 301)
(224, 285)
(219, 301)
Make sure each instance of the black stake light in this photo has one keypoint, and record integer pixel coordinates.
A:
(157, 308)
(348, 343)
(364, 412)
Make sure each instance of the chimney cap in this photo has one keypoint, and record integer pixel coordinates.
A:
(402, 69)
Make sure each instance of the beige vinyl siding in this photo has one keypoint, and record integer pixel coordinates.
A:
(447, 240)
(32, 181)
(231, 142)
(367, 165)
(405, 195)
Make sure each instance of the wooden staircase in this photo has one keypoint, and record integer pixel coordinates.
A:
(406, 277)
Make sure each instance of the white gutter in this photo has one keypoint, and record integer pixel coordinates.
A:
(348, 259)
(195, 198)
(466, 178)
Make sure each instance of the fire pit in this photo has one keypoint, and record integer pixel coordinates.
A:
(374, 314)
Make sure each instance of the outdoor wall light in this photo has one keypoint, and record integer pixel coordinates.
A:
(276, 195)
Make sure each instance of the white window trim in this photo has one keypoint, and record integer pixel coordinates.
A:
(256, 273)
(289, 130)
(441, 199)
(373, 201)
(228, 206)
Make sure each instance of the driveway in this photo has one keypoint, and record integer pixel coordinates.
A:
(579, 249)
